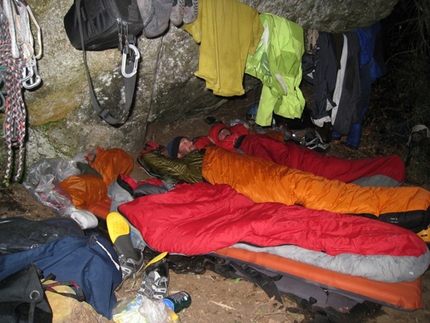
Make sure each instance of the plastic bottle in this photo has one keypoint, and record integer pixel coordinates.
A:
(178, 301)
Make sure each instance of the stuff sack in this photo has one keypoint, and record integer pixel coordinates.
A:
(84, 189)
(88, 260)
(110, 163)
(103, 21)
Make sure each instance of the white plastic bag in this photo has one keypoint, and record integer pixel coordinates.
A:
(143, 310)
(43, 183)
(127, 311)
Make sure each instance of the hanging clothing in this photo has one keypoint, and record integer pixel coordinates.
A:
(348, 110)
(323, 77)
(370, 39)
(372, 66)
(227, 32)
(277, 63)
(340, 76)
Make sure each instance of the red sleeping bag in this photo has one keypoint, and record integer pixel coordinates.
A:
(342, 169)
(298, 157)
(200, 218)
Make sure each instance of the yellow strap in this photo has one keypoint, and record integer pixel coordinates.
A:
(156, 259)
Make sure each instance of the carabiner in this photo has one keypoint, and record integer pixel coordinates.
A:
(33, 82)
(33, 79)
(27, 72)
(135, 63)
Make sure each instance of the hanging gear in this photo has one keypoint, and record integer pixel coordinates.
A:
(18, 69)
(99, 25)
(19, 15)
(15, 113)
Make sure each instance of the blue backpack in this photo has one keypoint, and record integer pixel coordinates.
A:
(58, 246)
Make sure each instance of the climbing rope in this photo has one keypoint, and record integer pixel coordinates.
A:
(2, 99)
(14, 128)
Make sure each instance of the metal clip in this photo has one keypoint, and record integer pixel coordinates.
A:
(27, 73)
(135, 55)
(31, 77)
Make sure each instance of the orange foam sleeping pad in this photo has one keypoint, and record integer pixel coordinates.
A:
(403, 296)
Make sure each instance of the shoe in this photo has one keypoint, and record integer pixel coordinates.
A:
(85, 219)
(177, 13)
(314, 141)
(155, 278)
(191, 11)
(130, 266)
(130, 259)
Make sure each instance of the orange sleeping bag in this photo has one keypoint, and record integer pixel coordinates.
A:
(264, 181)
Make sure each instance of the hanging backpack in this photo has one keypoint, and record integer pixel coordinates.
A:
(97, 25)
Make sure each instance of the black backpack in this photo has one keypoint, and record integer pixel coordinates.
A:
(106, 24)
(97, 25)
(59, 247)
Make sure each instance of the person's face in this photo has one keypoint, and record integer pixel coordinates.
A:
(223, 134)
(185, 147)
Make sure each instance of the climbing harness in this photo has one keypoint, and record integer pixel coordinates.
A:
(18, 69)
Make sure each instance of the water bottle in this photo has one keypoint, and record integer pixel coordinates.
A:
(178, 301)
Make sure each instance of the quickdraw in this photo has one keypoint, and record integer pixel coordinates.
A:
(24, 42)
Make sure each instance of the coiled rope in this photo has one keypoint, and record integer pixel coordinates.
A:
(14, 128)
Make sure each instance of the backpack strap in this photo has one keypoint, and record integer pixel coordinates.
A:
(79, 294)
(130, 58)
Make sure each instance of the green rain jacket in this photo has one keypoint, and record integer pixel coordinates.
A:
(277, 62)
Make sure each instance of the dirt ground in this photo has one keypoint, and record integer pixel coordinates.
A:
(214, 298)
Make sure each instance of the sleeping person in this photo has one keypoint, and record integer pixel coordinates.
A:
(253, 176)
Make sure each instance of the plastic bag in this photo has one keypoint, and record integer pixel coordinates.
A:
(127, 311)
(143, 310)
(59, 168)
(49, 193)
(43, 183)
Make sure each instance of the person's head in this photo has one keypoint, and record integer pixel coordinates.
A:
(223, 134)
(179, 147)
(219, 132)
